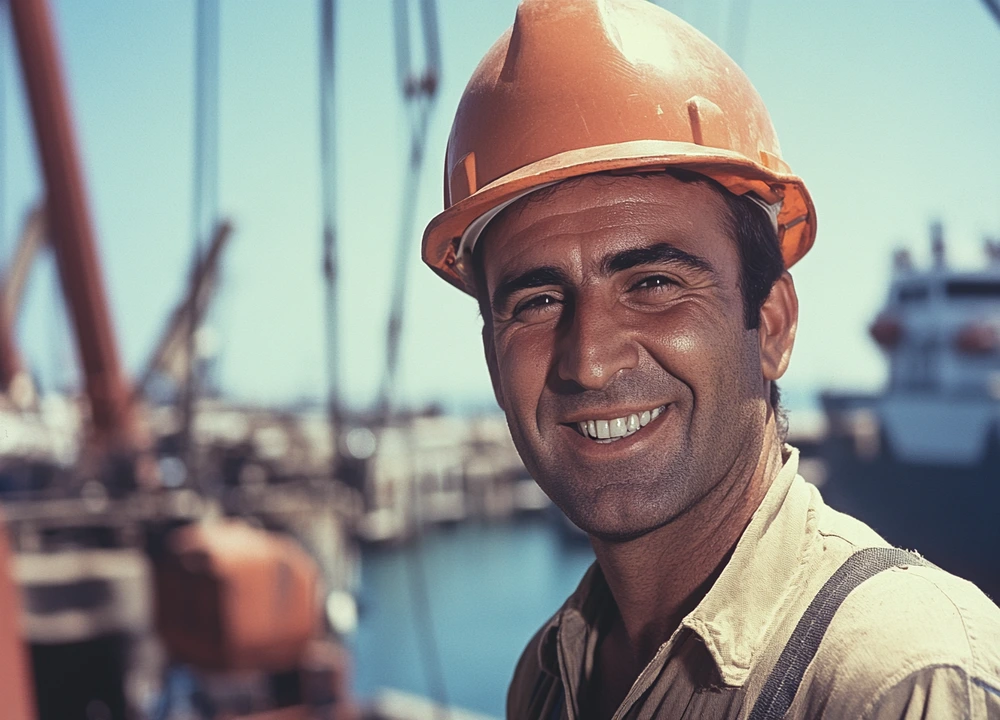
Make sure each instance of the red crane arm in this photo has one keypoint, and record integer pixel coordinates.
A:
(72, 233)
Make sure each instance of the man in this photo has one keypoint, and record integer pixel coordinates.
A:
(616, 201)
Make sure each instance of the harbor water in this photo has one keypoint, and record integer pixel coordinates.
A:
(488, 588)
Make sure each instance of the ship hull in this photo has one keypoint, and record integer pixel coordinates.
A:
(948, 513)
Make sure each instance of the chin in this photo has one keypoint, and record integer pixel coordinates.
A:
(613, 533)
(620, 513)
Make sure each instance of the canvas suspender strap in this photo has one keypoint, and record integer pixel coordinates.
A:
(801, 648)
(785, 678)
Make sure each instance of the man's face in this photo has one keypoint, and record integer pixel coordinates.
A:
(615, 300)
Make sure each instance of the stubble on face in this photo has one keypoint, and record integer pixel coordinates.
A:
(586, 335)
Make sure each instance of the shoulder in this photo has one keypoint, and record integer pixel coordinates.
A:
(908, 640)
(901, 633)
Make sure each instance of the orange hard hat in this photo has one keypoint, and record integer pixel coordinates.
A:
(586, 86)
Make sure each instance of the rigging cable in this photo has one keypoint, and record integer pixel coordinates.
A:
(327, 139)
(420, 593)
(419, 91)
(204, 211)
(994, 7)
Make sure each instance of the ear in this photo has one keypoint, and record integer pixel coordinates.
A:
(779, 318)
(491, 362)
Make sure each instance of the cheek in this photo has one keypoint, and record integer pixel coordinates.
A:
(523, 361)
(682, 342)
(702, 349)
(687, 333)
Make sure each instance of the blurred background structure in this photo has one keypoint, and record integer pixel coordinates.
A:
(250, 462)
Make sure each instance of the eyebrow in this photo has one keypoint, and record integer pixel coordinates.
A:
(536, 277)
(659, 254)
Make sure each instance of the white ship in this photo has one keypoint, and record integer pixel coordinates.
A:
(920, 462)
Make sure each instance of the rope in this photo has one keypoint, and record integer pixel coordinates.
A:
(204, 210)
(401, 31)
(419, 91)
(424, 622)
(432, 44)
(327, 146)
(206, 152)
(994, 7)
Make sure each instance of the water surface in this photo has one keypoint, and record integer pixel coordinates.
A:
(489, 588)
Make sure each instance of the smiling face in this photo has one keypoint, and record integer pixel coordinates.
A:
(616, 311)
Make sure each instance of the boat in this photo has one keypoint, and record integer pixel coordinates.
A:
(920, 461)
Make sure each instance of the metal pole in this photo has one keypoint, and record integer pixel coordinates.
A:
(10, 363)
(4, 12)
(72, 232)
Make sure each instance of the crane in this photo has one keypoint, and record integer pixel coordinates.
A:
(114, 426)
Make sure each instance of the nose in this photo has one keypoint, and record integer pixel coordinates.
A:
(594, 346)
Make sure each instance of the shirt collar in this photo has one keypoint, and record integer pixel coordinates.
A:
(734, 616)
(582, 609)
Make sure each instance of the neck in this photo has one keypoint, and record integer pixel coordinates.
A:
(658, 578)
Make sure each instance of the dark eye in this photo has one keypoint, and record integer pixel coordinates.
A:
(653, 282)
(535, 304)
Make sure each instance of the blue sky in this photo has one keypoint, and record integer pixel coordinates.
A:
(887, 109)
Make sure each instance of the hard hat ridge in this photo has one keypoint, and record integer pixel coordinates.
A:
(583, 86)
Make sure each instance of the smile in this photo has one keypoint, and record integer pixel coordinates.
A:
(608, 431)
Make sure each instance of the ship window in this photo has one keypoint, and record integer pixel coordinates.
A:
(973, 289)
(912, 293)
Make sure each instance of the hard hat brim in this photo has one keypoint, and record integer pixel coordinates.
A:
(796, 219)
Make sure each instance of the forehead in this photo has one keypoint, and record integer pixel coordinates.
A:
(600, 214)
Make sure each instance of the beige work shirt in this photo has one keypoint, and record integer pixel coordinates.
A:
(911, 642)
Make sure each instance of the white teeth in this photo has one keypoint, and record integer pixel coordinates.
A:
(611, 430)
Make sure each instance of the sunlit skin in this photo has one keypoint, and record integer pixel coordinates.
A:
(614, 295)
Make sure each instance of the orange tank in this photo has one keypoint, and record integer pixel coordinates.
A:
(233, 597)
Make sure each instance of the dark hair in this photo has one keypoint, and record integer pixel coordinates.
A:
(761, 263)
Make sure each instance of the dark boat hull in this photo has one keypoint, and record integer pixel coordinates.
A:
(951, 515)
